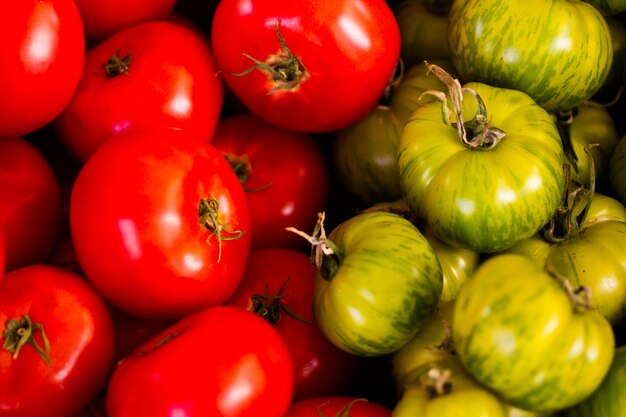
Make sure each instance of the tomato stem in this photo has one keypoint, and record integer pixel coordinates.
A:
(343, 411)
(438, 381)
(269, 307)
(117, 65)
(20, 332)
(283, 68)
(324, 254)
(208, 212)
(483, 135)
(243, 169)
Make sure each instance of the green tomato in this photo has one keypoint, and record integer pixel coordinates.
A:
(609, 7)
(378, 288)
(518, 332)
(423, 31)
(614, 80)
(557, 51)
(364, 154)
(609, 400)
(617, 171)
(483, 194)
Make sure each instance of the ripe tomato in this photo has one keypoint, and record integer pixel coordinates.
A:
(278, 286)
(65, 352)
(102, 18)
(42, 55)
(221, 361)
(31, 207)
(322, 65)
(171, 220)
(158, 75)
(335, 406)
(284, 174)
(2, 256)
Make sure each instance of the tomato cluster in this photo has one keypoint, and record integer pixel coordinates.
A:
(312, 208)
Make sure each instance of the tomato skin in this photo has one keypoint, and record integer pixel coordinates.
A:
(27, 185)
(288, 183)
(150, 237)
(343, 46)
(331, 406)
(80, 332)
(170, 83)
(386, 284)
(617, 171)
(483, 200)
(518, 332)
(218, 361)
(320, 367)
(43, 51)
(102, 19)
(532, 46)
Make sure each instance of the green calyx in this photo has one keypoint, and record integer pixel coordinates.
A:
(208, 214)
(19, 332)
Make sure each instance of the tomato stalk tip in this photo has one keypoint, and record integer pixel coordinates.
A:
(208, 212)
(20, 332)
(117, 65)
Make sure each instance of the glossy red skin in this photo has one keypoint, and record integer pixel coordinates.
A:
(80, 332)
(348, 48)
(42, 55)
(320, 367)
(171, 83)
(333, 406)
(221, 361)
(289, 183)
(136, 229)
(31, 207)
(102, 18)
(2, 257)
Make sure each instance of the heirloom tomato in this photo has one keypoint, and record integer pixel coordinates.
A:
(528, 336)
(314, 66)
(220, 361)
(609, 400)
(42, 55)
(337, 406)
(490, 181)
(609, 7)
(153, 75)
(102, 18)
(57, 342)
(278, 286)
(535, 46)
(588, 246)
(284, 175)
(30, 213)
(610, 90)
(167, 230)
(364, 155)
(378, 281)
(617, 171)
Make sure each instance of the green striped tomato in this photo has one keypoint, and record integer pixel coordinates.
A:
(609, 400)
(478, 197)
(519, 332)
(557, 51)
(609, 7)
(617, 171)
(379, 287)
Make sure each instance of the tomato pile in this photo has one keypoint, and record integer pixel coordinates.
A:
(315, 208)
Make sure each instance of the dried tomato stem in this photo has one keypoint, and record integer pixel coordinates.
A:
(438, 381)
(208, 212)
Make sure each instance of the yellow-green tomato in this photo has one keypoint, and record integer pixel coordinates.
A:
(483, 196)
(519, 333)
(609, 7)
(379, 287)
(557, 51)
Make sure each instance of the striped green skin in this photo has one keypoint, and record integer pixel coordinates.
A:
(596, 258)
(557, 51)
(483, 200)
(617, 171)
(388, 283)
(609, 400)
(517, 331)
(609, 7)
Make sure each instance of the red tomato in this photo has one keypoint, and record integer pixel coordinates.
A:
(57, 378)
(160, 224)
(162, 75)
(337, 406)
(278, 286)
(42, 55)
(31, 207)
(2, 256)
(221, 361)
(284, 174)
(102, 18)
(336, 61)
